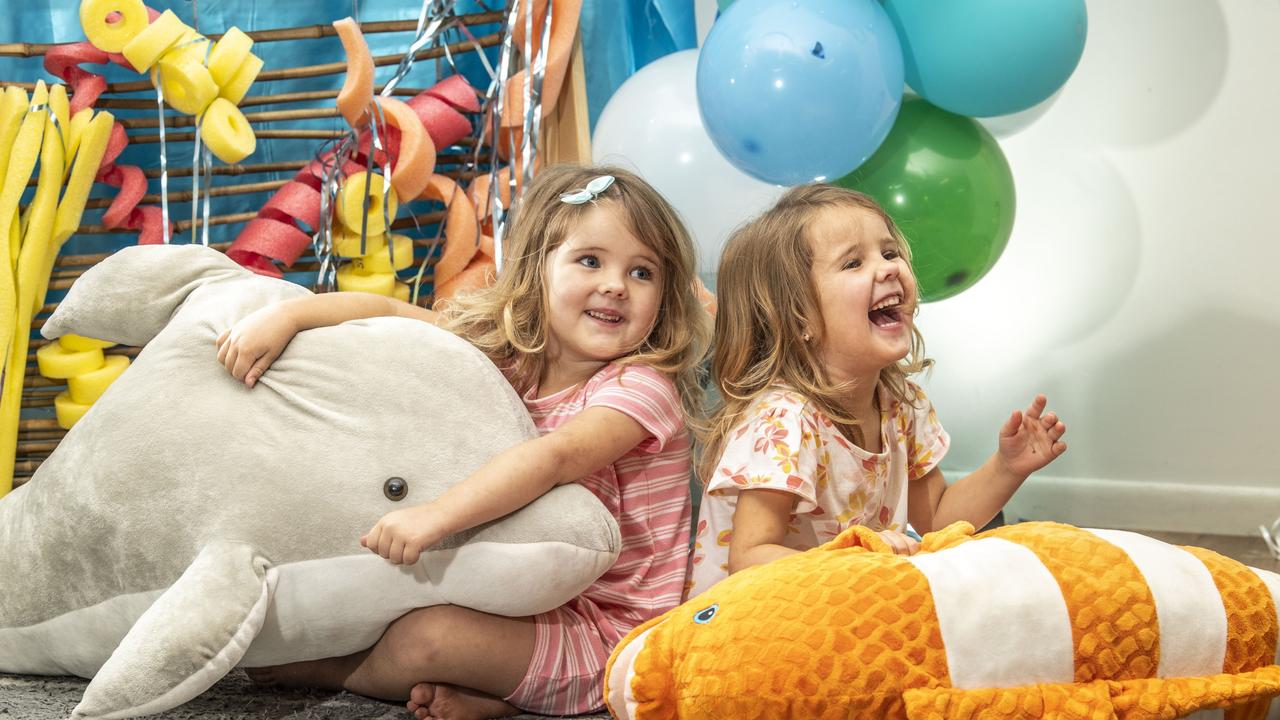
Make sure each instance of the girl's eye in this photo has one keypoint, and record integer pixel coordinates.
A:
(853, 264)
(642, 273)
(892, 254)
(590, 261)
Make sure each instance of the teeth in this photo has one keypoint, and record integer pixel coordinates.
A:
(607, 317)
(891, 301)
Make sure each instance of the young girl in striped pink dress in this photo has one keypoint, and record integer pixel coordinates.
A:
(595, 321)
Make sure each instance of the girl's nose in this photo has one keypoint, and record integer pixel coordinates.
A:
(613, 286)
(888, 270)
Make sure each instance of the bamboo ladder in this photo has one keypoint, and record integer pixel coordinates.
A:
(564, 138)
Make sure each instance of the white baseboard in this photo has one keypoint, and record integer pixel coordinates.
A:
(1144, 505)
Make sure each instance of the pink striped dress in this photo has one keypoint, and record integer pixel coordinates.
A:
(647, 490)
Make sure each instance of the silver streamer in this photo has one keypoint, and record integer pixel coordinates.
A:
(1271, 536)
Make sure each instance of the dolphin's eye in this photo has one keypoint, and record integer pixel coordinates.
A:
(704, 616)
(395, 488)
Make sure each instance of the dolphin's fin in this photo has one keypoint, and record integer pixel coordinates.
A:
(1149, 699)
(188, 639)
(129, 297)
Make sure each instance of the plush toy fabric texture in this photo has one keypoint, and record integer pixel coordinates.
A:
(187, 525)
(1030, 620)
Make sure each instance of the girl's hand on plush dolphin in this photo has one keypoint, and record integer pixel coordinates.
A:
(249, 347)
(401, 535)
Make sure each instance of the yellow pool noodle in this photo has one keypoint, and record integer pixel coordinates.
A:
(226, 132)
(79, 122)
(67, 410)
(12, 105)
(351, 281)
(188, 86)
(22, 160)
(228, 54)
(86, 388)
(380, 261)
(72, 341)
(147, 46)
(59, 363)
(112, 36)
(351, 203)
(93, 145)
(347, 244)
(238, 86)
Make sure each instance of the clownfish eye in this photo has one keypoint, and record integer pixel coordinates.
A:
(702, 617)
(395, 489)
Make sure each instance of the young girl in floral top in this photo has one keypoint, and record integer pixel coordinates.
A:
(820, 427)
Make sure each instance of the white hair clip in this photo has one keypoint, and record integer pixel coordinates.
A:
(589, 193)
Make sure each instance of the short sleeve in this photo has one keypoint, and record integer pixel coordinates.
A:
(927, 441)
(776, 448)
(645, 395)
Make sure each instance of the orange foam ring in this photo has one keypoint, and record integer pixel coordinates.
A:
(480, 273)
(564, 25)
(413, 169)
(357, 89)
(461, 234)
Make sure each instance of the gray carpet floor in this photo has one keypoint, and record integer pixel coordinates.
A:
(25, 697)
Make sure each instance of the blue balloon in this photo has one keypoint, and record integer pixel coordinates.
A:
(989, 57)
(792, 91)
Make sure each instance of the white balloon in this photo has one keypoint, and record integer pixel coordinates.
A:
(651, 125)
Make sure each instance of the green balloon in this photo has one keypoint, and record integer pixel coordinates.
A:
(945, 182)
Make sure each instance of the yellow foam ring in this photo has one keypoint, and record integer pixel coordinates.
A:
(228, 54)
(112, 36)
(347, 243)
(188, 86)
(238, 86)
(13, 103)
(67, 410)
(190, 46)
(351, 281)
(226, 132)
(78, 343)
(147, 46)
(351, 202)
(93, 145)
(380, 261)
(57, 362)
(86, 388)
(402, 291)
(79, 122)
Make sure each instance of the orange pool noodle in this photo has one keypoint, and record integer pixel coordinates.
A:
(357, 90)
(412, 170)
(478, 275)
(461, 235)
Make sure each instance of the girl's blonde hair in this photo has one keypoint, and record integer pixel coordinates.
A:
(767, 303)
(508, 321)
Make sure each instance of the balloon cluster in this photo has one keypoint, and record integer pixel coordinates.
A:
(795, 91)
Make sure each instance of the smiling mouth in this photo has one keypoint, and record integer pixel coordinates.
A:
(605, 316)
(887, 312)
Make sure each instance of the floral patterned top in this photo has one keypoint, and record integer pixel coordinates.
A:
(787, 444)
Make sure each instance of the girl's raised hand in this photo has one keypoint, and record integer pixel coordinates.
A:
(1030, 440)
(902, 544)
(249, 347)
(401, 535)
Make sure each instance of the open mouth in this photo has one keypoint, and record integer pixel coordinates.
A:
(605, 316)
(887, 312)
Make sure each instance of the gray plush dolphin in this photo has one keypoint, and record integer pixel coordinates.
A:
(187, 525)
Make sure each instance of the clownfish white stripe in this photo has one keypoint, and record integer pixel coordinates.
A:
(985, 636)
(1193, 622)
(622, 700)
(1272, 581)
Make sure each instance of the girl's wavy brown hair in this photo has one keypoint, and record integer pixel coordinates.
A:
(508, 321)
(767, 302)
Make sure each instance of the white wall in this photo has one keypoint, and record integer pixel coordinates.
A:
(1139, 288)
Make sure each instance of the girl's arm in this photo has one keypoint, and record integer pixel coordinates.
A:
(760, 522)
(596, 437)
(1028, 442)
(249, 347)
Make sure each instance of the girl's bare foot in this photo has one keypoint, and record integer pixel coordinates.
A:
(437, 701)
